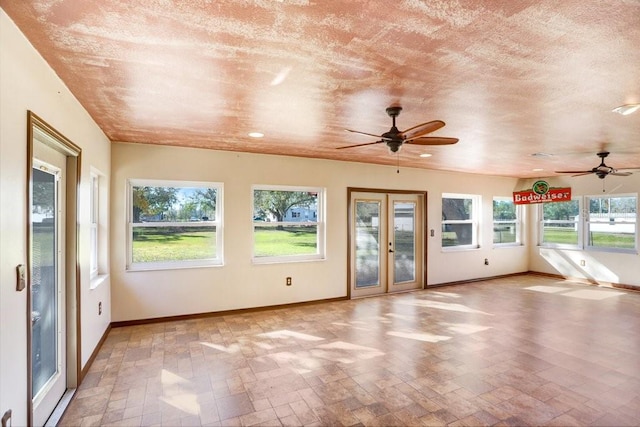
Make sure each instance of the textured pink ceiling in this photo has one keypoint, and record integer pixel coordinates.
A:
(510, 78)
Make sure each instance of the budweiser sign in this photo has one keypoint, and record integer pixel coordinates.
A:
(541, 193)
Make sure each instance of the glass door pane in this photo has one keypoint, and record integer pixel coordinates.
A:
(404, 218)
(367, 243)
(44, 279)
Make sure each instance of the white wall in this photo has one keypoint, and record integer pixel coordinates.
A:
(600, 266)
(239, 283)
(28, 83)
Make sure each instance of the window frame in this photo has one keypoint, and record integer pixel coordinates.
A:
(94, 225)
(216, 224)
(319, 221)
(588, 222)
(517, 222)
(476, 202)
(578, 226)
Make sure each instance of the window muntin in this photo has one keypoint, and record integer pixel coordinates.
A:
(174, 224)
(559, 224)
(506, 222)
(611, 222)
(460, 221)
(288, 224)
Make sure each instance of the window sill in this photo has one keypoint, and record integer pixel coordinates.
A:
(97, 281)
(460, 248)
(159, 266)
(558, 246)
(274, 260)
(507, 245)
(630, 251)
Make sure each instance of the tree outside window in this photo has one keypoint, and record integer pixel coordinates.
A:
(287, 223)
(459, 221)
(174, 224)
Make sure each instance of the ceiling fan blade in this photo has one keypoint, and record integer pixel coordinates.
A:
(364, 133)
(431, 140)
(360, 145)
(618, 173)
(580, 172)
(628, 169)
(422, 129)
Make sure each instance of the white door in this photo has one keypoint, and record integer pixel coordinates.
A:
(48, 346)
(386, 243)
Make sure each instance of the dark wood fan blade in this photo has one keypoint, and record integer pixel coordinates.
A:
(360, 145)
(422, 129)
(583, 172)
(364, 133)
(431, 140)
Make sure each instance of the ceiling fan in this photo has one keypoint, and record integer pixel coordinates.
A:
(415, 135)
(602, 170)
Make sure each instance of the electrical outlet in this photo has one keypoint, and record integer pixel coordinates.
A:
(583, 263)
(288, 281)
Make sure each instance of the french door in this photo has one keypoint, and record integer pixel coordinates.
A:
(386, 243)
(48, 344)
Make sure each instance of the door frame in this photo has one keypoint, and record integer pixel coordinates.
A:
(51, 137)
(350, 220)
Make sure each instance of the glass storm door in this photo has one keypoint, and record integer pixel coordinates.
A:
(48, 363)
(386, 243)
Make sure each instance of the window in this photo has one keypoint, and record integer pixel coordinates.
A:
(559, 224)
(460, 221)
(94, 215)
(98, 209)
(174, 224)
(506, 221)
(288, 224)
(611, 222)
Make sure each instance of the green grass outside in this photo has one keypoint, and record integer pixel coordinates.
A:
(270, 241)
(43, 246)
(155, 244)
(568, 236)
(564, 235)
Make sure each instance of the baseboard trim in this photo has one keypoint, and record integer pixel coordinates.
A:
(479, 279)
(220, 313)
(586, 281)
(95, 352)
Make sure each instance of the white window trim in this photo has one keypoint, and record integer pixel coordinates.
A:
(587, 221)
(474, 221)
(181, 264)
(94, 224)
(517, 223)
(319, 222)
(578, 222)
(99, 224)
